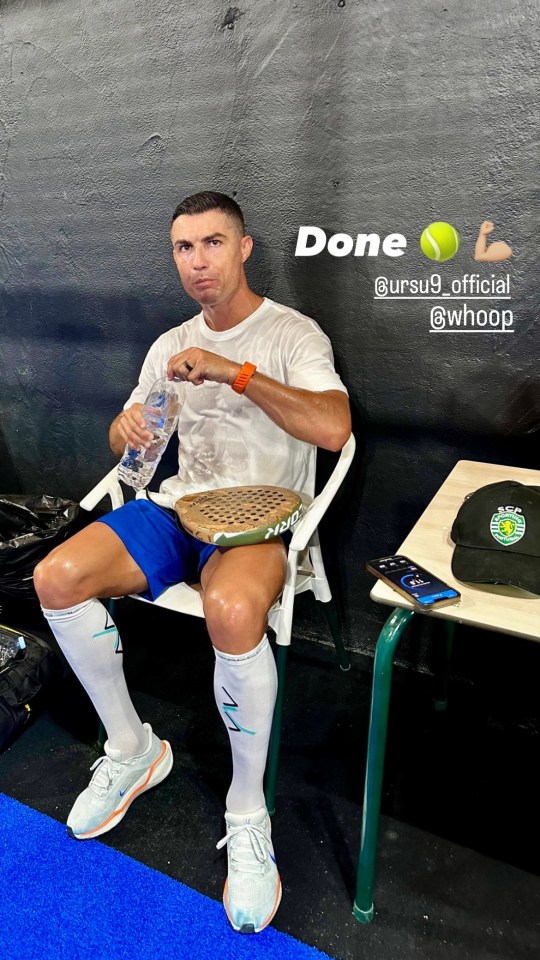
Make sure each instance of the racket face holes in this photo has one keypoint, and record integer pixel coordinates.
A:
(246, 511)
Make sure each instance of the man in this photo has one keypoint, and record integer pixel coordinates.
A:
(260, 394)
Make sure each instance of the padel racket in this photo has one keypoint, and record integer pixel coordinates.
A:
(239, 516)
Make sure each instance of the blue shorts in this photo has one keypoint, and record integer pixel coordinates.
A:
(165, 553)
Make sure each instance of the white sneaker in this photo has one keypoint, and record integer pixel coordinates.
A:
(114, 786)
(252, 891)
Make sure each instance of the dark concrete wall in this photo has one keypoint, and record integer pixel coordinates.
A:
(353, 116)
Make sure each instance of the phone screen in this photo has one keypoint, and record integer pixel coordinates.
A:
(417, 582)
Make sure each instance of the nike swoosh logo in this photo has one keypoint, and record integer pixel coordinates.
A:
(122, 792)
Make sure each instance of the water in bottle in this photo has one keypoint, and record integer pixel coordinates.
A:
(10, 647)
(161, 409)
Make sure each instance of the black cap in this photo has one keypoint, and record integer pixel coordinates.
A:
(497, 536)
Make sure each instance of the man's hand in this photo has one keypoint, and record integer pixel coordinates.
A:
(131, 429)
(196, 366)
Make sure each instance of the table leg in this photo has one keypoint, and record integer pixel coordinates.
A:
(378, 725)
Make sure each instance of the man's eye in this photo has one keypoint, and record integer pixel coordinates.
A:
(215, 242)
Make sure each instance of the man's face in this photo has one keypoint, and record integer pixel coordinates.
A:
(209, 254)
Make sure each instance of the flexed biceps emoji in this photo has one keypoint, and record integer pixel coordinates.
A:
(498, 250)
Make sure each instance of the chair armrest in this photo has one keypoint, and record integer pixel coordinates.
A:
(304, 530)
(108, 487)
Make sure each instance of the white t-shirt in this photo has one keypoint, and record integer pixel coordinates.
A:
(226, 440)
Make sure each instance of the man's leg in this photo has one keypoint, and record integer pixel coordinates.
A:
(94, 563)
(240, 585)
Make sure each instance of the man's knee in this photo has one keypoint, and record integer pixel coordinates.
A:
(59, 580)
(233, 619)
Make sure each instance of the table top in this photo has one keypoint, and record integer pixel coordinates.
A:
(489, 606)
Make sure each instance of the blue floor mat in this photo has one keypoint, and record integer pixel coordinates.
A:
(62, 899)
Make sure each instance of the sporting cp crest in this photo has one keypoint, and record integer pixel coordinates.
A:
(507, 528)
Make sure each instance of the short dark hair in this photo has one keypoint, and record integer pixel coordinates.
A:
(211, 200)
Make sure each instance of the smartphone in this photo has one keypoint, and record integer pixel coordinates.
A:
(413, 582)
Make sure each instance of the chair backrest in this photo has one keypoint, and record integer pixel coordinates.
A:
(309, 523)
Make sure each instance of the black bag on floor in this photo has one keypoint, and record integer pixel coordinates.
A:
(23, 681)
(29, 529)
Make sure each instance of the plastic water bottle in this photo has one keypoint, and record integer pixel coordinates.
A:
(10, 646)
(160, 410)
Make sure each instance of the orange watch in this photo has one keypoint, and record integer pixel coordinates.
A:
(243, 378)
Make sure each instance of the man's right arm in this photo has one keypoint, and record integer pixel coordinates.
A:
(129, 427)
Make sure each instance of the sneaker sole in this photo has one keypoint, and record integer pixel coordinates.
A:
(157, 772)
(250, 927)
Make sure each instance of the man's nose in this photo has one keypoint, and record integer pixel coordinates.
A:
(199, 257)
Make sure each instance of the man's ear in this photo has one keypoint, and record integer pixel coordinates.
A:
(246, 246)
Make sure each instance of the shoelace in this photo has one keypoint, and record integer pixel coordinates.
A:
(249, 847)
(105, 771)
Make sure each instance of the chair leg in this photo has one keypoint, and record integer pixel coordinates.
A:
(335, 629)
(102, 733)
(275, 734)
(442, 674)
(378, 725)
(102, 736)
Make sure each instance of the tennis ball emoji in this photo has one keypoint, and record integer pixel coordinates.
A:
(439, 241)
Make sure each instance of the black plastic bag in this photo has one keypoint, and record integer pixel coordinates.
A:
(23, 681)
(29, 529)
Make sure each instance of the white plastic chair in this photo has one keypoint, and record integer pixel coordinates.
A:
(305, 571)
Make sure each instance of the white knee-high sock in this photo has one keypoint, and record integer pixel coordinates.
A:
(245, 687)
(87, 636)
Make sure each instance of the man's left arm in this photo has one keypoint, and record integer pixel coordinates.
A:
(321, 418)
